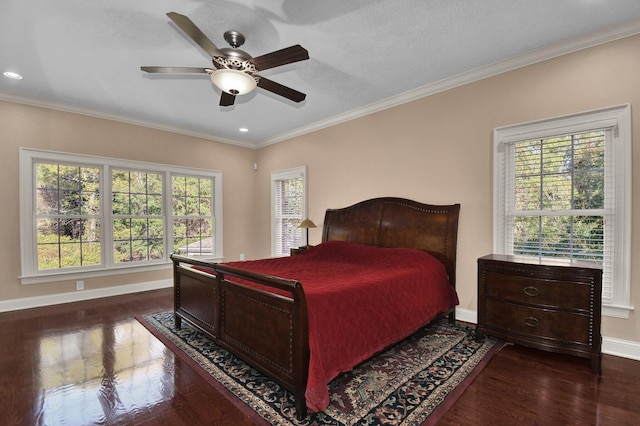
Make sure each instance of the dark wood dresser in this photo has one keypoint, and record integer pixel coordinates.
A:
(545, 304)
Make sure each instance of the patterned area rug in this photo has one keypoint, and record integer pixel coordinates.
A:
(412, 383)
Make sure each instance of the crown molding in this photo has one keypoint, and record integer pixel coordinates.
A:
(539, 55)
(59, 106)
(552, 51)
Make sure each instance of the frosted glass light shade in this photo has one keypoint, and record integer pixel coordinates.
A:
(233, 82)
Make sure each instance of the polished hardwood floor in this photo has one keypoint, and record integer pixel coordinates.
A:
(92, 363)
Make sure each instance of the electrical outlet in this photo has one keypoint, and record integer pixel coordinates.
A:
(241, 256)
(79, 285)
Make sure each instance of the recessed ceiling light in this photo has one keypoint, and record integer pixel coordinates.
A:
(243, 129)
(12, 75)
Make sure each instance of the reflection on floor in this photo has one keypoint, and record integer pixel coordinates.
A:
(92, 362)
(88, 376)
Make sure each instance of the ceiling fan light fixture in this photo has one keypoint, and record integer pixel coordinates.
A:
(233, 82)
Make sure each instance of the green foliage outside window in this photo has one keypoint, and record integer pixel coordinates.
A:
(557, 182)
(193, 225)
(83, 213)
(67, 206)
(138, 228)
(68, 215)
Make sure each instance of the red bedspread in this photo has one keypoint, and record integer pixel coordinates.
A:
(360, 299)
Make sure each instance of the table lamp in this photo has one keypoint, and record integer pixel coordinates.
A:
(306, 224)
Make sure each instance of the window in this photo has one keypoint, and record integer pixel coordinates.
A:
(91, 215)
(558, 207)
(288, 201)
(68, 212)
(193, 215)
(138, 221)
(562, 188)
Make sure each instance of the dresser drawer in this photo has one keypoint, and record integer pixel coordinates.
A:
(548, 304)
(560, 325)
(535, 291)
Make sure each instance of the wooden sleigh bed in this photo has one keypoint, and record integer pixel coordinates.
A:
(265, 319)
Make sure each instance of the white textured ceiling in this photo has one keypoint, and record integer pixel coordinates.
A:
(85, 56)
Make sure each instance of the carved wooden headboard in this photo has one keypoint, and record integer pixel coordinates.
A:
(398, 222)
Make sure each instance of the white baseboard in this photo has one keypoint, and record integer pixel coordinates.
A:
(466, 315)
(619, 347)
(610, 345)
(77, 296)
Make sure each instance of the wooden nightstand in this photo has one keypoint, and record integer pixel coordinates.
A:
(545, 304)
(297, 250)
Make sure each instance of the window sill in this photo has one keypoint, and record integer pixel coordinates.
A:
(617, 311)
(68, 276)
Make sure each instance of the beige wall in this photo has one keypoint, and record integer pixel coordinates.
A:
(438, 150)
(33, 127)
(435, 150)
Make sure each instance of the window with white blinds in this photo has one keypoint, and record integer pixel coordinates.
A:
(288, 200)
(562, 190)
(556, 198)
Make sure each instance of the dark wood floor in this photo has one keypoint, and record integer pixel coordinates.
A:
(93, 363)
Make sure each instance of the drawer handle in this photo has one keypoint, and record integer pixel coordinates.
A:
(531, 291)
(531, 321)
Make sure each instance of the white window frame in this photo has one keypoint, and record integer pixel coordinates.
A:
(617, 155)
(28, 235)
(293, 173)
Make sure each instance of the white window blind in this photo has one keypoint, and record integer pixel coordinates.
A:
(288, 189)
(567, 194)
(556, 198)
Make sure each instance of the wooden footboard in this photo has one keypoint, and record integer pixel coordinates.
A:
(195, 295)
(266, 330)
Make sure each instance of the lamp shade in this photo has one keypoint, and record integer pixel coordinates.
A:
(307, 223)
(233, 82)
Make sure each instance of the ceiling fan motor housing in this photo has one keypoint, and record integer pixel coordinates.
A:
(235, 59)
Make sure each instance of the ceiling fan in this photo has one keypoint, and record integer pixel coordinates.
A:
(235, 70)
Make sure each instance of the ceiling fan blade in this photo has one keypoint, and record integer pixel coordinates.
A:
(280, 57)
(194, 32)
(281, 90)
(227, 99)
(176, 70)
